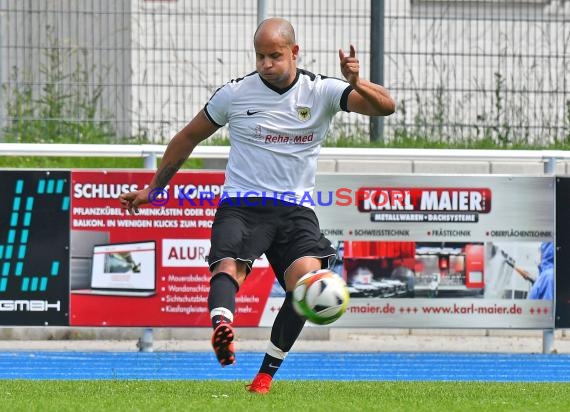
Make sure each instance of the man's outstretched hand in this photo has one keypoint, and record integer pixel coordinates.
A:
(131, 201)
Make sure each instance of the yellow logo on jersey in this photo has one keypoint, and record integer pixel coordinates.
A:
(304, 113)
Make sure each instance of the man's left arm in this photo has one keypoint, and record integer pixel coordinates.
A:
(366, 98)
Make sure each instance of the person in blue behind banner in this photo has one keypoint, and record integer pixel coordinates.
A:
(543, 287)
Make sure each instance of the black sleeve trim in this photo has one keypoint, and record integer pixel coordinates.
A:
(344, 98)
(210, 117)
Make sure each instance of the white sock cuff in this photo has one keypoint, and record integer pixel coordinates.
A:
(226, 313)
(275, 351)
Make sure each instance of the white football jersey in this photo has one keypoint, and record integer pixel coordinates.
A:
(275, 134)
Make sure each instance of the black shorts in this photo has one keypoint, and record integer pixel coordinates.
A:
(284, 232)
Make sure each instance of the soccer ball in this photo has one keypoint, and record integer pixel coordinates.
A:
(320, 296)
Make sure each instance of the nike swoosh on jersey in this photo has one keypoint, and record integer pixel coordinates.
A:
(252, 112)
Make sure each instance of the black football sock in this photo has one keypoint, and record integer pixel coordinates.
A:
(222, 298)
(270, 365)
(285, 331)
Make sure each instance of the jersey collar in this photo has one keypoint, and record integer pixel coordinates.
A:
(277, 89)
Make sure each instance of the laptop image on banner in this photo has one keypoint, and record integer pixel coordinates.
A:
(123, 269)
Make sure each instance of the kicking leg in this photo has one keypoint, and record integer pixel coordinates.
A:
(224, 284)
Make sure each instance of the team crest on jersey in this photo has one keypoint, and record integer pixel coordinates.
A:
(304, 113)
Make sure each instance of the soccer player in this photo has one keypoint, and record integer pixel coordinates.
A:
(278, 117)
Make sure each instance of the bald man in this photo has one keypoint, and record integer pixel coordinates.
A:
(278, 117)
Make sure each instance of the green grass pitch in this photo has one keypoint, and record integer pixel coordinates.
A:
(290, 396)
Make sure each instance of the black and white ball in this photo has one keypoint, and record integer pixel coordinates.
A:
(321, 296)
